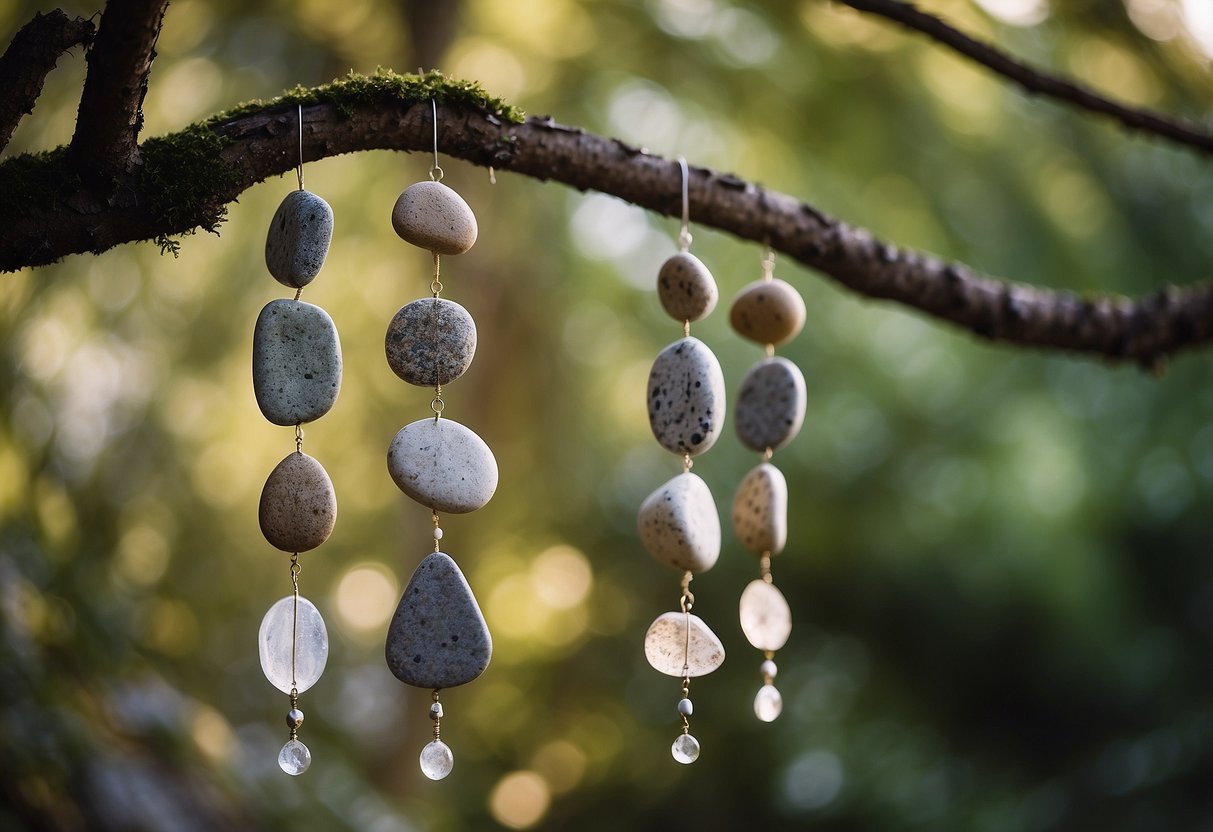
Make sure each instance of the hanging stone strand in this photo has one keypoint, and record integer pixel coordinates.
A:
(769, 413)
(438, 638)
(296, 379)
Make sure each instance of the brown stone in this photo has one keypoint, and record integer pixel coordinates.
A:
(298, 505)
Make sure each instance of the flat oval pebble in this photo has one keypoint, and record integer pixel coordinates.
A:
(679, 526)
(432, 216)
(686, 288)
(760, 510)
(766, 618)
(667, 649)
(296, 362)
(431, 341)
(686, 397)
(280, 628)
(298, 505)
(298, 239)
(438, 637)
(768, 312)
(770, 406)
(443, 465)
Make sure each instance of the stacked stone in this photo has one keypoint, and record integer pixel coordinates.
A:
(296, 378)
(769, 412)
(438, 637)
(678, 523)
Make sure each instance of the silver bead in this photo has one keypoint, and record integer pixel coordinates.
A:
(436, 711)
(769, 670)
(685, 707)
(294, 719)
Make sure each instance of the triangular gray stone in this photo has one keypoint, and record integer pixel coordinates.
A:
(438, 637)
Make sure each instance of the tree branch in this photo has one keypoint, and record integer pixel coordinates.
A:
(30, 57)
(188, 178)
(105, 143)
(1035, 81)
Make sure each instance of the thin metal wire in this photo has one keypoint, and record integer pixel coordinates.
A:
(299, 166)
(684, 236)
(294, 624)
(436, 170)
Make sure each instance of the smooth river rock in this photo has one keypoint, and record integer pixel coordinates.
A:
(298, 505)
(438, 638)
(770, 405)
(281, 628)
(686, 397)
(432, 216)
(296, 362)
(686, 288)
(431, 341)
(443, 465)
(768, 312)
(668, 651)
(679, 526)
(298, 239)
(766, 618)
(760, 510)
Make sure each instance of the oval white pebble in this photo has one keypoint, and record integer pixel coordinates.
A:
(679, 526)
(686, 288)
(766, 618)
(296, 362)
(432, 216)
(298, 239)
(668, 651)
(686, 397)
(443, 465)
(760, 510)
(770, 404)
(311, 640)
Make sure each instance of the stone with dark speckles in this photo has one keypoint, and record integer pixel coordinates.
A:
(760, 510)
(679, 526)
(443, 465)
(431, 341)
(296, 362)
(768, 312)
(681, 644)
(298, 505)
(298, 239)
(770, 406)
(686, 397)
(686, 288)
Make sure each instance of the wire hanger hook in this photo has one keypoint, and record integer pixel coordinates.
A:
(436, 170)
(684, 236)
(299, 166)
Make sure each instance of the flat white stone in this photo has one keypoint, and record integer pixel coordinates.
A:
(770, 404)
(298, 505)
(443, 465)
(765, 616)
(298, 239)
(311, 640)
(760, 510)
(679, 526)
(686, 397)
(686, 288)
(430, 341)
(438, 637)
(669, 652)
(296, 362)
(432, 216)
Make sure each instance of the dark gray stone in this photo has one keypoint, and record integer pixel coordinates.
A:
(296, 362)
(431, 341)
(298, 239)
(686, 397)
(770, 404)
(686, 288)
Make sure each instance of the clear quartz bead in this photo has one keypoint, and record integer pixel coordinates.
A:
(437, 760)
(294, 758)
(768, 704)
(685, 749)
(310, 639)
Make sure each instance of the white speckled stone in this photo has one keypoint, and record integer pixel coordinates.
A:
(296, 362)
(679, 526)
(686, 288)
(666, 647)
(443, 465)
(760, 510)
(432, 216)
(770, 405)
(438, 638)
(431, 341)
(766, 618)
(298, 239)
(686, 397)
(298, 505)
(768, 312)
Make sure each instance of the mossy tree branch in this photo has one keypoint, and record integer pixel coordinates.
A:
(187, 179)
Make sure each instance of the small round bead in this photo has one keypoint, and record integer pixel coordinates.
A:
(294, 719)
(436, 711)
(437, 533)
(769, 670)
(685, 707)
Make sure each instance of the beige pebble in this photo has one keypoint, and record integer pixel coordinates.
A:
(766, 618)
(686, 288)
(768, 312)
(298, 505)
(432, 216)
(681, 644)
(679, 526)
(760, 510)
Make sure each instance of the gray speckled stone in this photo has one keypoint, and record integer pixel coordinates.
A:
(686, 288)
(296, 362)
(432, 216)
(686, 397)
(768, 312)
(669, 651)
(298, 505)
(770, 404)
(443, 465)
(760, 510)
(298, 240)
(431, 341)
(679, 526)
(438, 637)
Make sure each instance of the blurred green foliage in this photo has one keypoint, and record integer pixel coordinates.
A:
(999, 562)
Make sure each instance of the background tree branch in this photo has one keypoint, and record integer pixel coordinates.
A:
(1033, 80)
(30, 57)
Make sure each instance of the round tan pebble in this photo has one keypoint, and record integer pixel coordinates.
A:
(432, 216)
(298, 505)
(768, 312)
(686, 288)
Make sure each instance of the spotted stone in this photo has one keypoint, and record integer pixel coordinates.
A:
(431, 341)
(298, 239)
(443, 465)
(679, 526)
(432, 216)
(686, 397)
(760, 510)
(296, 362)
(768, 312)
(770, 404)
(686, 288)
(298, 505)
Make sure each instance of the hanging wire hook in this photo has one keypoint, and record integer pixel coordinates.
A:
(684, 236)
(436, 170)
(299, 167)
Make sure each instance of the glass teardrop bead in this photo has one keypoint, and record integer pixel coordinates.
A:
(437, 760)
(768, 704)
(685, 749)
(294, 758)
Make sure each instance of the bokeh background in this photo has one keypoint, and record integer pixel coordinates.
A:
(999, 562)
